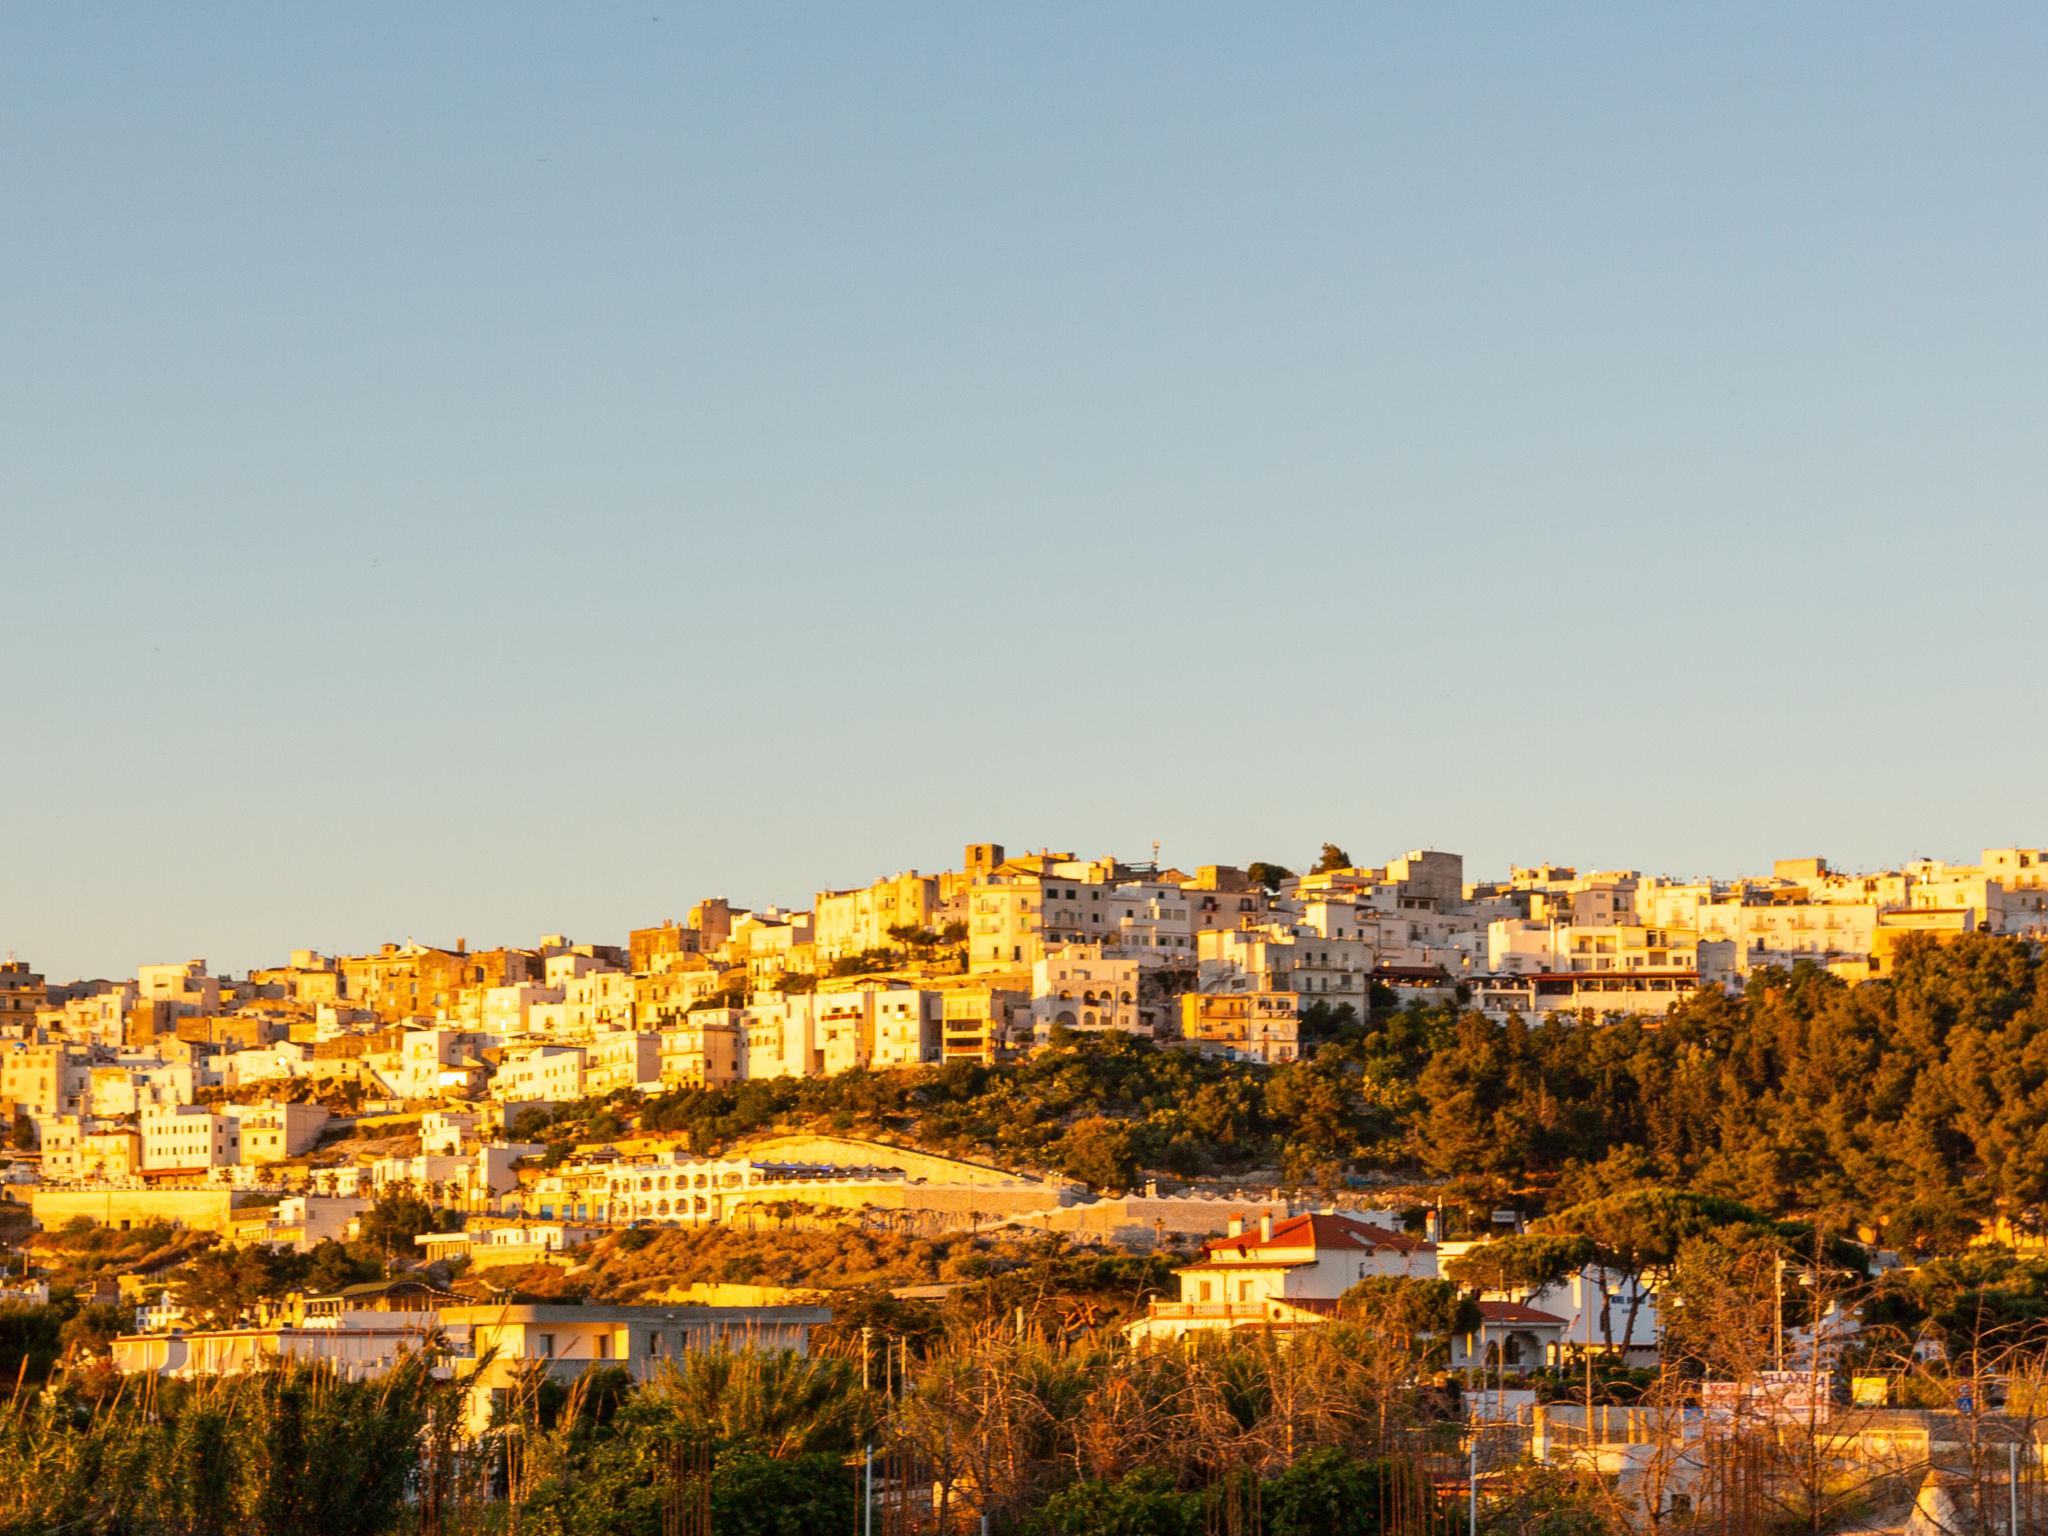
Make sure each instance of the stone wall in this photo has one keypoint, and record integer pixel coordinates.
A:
(202, 1210)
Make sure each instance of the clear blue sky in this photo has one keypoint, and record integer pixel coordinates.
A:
(467, 470)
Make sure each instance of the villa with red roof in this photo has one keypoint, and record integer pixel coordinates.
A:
(1285, 1274)
(1290, 1274)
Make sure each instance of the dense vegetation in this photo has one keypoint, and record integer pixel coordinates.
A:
(294, 1450)
(34, 1339)
(1043, 1438)
(1918, 1102)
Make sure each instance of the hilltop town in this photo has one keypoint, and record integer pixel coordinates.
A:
(1527, 1132)
(163, 1076)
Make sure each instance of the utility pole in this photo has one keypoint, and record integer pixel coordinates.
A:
(1586, 1311)
(1472, 1488)
(1778, 1316)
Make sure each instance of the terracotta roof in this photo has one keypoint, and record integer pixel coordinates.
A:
(1515, 1312)
(1318, 1231)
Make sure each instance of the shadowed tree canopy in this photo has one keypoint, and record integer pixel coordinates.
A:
(1527, 1261)
(1418, 1316)
(1916, 1104)
(1270, 876)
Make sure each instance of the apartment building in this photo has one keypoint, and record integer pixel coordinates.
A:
(508, 1341)
(781, 1038)
(705, 1048)
(540, 1074)
(1085, 987)
(272, 1132)
(598, 1000)
(655, 949)
(621, 1058)
(189, 1138)
(1242, 1026)
(1281, 957)
(23, 995)
(1030, 901)
(1284, 1273)
(41, 1080)
(979, 1023)
(1520, 947)
(310, 979)
(418, 980)
(851, 921)
(76, 1149)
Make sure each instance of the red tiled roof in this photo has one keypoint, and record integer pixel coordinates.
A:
(1515, 1312)
(1317, 1231)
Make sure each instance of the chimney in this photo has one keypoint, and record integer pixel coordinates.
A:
(1236, 1227)
(1266, 1227)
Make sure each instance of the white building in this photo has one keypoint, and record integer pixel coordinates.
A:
(1085, 987)
(780, 1040)
(1279, 957)
(272, 1132)
(624, 1058)
(189, 1137)
(1283, 1273)
(540, 1074)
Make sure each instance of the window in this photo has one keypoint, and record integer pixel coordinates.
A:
(544, 1346)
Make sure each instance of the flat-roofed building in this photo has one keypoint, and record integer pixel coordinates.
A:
(1242, 1026)
(509, 1341)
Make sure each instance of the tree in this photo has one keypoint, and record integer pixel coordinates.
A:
(1419, 1317)
(224, 1285)
(396, 1219)
(330, 1267)
(1330, 1493)
(1526, 1262)
(1315, 1101)
(23, 1132)
(756, 1495)
(530, 1124)
(1544, 1501)
(1333, 857)
(298, 1448)
(1320, 1019)
(1142, 1503)
(92, 1330)
(920, 941)
(1270, 876)
(29, 1339)
(1639, 1230)
(1101, 1153)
